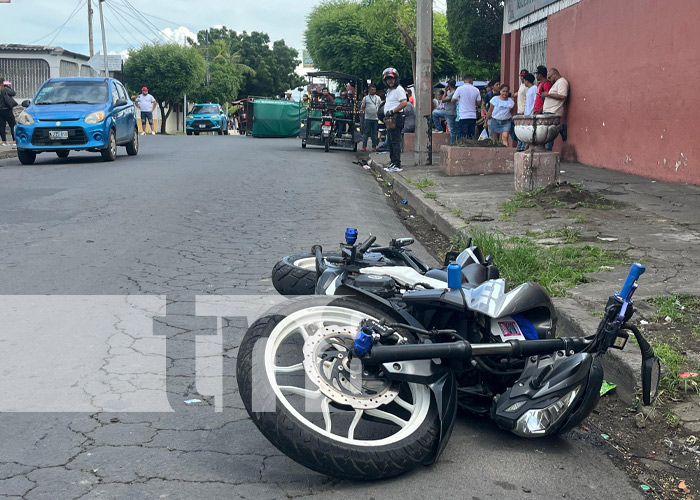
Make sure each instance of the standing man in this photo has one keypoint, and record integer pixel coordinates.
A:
(467, 96)
(522, 98)
(370, 107)
(396, 100)
(147, 104)
(554, 100)
(451, 110)
(7, 116)
(543, 85)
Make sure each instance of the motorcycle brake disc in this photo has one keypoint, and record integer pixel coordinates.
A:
(330, 363)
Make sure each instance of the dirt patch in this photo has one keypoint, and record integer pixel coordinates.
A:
(570, 194)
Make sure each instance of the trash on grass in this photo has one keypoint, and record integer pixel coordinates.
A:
(366, 167)
(691, 440)
(606, 239)
(605, 436)
(683, 487)
(191, 401)
(645, 487)
(403, 202)
(606, 387)
(643, 322)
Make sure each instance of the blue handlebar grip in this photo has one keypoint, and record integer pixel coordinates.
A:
(636, 271)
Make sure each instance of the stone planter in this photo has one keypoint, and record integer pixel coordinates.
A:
(536, 169)
(456, 160)
(536, 130)
(409, 144)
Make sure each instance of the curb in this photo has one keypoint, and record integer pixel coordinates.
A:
(621, 367)
(7, 153)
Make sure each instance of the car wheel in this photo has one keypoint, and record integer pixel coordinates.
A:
(196, 133)
(220, 131)
(132, 148)
(26, 157)
(63, 154)
(225, 131)
(189, 132)
(110, 152)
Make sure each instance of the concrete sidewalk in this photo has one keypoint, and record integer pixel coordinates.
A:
(659, 225)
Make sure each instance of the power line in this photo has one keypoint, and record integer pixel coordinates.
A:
(120, 16)
(75, 11)
(146, 22)
(116, 30)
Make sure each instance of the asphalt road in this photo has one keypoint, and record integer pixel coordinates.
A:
(113, 275)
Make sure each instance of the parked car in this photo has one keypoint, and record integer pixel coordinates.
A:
(77, 114)
(207, 117)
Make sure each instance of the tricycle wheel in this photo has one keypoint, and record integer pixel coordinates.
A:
(303, 144)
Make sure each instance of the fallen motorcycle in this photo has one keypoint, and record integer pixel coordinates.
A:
(364, 379)
(296, 274)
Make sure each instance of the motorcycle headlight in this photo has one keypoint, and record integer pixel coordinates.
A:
(25, 118)
(96, 117)
(537, 422)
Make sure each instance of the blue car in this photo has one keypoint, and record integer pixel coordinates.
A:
(78, 114)
(207, 117)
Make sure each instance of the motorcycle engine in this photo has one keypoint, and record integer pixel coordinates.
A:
(383, 286)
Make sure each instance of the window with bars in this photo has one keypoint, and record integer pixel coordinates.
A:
(26, 75)
(533, 46)
(68, 68)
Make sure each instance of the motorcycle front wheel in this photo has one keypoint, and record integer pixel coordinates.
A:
(316, 403)
(296, 274)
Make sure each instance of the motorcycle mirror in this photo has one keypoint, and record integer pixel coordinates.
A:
(651, 373)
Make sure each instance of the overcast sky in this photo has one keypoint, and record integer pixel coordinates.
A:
(38, 21)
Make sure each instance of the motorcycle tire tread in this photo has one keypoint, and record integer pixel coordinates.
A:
(292, 280)
(332, 458)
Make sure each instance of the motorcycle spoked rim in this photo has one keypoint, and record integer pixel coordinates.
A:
(290, 326)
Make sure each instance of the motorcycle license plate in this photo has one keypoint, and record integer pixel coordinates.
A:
(201, 125)
(326, 129)
(58, 134)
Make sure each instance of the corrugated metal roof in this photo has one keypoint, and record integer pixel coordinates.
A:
(18, 47)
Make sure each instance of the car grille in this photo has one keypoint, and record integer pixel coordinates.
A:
(76, 135)
(207, 124)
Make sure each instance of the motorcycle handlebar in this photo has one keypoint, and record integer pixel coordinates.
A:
(365, 246)
(635, 272)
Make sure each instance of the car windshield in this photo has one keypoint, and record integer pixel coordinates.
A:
(76, 92)
(205, 110)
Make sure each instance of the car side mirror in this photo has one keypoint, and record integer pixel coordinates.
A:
(26, 103)
(121, 102)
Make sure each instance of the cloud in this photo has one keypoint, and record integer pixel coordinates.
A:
(178, 35)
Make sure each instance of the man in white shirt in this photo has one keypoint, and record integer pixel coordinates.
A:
(466, 96)
(147, 104)
(396, 101)
(554, 100)
(531, 94)
(522, 96)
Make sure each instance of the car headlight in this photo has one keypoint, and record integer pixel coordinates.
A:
(190, 117)
(537, 422)
(25, 118)
(215, 116)
(96, 117)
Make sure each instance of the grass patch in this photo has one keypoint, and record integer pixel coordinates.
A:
(457, 212)
(556, 268)
(677, 307)
(431, 195)
(423, 183)
(525, 199)
(578, 219)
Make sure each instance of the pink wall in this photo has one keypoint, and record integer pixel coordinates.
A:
(633, 67)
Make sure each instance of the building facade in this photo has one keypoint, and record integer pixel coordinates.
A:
(630, 65)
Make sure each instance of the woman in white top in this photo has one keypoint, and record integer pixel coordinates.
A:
(500, 115)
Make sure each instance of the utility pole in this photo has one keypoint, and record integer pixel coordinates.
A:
(104, 40)
(424, 82)
(92, 48)
(207, 58)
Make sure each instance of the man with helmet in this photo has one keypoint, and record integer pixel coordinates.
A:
(393, 110)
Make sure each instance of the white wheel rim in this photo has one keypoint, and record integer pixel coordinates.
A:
(308, 263)
(301, 323)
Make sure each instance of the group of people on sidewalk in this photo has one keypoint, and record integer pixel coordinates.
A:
(458, 105)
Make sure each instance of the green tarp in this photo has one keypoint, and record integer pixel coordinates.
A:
(276, 118)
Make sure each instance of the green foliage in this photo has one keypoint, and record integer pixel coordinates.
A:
(423, 183)
(677, 307)
(168, 70)
(265, 70)
(431, 195)
(557, 268)
(364, 37)
(475, 28)
(224, 82)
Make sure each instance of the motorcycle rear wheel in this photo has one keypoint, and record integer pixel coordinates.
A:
(296, 274)
(323, 435)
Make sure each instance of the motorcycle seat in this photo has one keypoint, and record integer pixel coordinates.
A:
(406, 276)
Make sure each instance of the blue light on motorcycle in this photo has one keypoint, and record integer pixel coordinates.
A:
(350, 235)
(454, 276)
(363, 341)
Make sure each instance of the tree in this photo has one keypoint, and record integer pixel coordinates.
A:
(475, 28)
(266, 71)
(225, 75)
(363, 38)
(169, 70)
